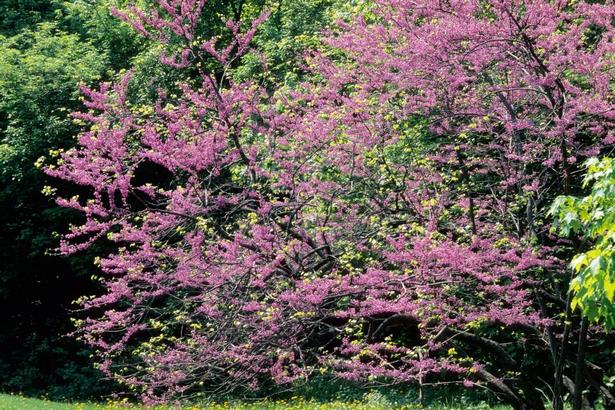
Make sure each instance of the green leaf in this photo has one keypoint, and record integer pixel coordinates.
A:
(609, 287)
(578, 262)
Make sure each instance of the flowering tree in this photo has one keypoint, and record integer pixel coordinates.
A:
(373, 223)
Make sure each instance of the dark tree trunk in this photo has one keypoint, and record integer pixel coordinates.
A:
(580, 367)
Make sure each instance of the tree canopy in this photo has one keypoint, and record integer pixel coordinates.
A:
(381, 218)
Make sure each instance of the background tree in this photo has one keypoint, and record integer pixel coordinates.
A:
(39, 71)
(43, 59)
(592, 288)
(16, 15)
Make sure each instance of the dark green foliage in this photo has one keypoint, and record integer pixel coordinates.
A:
(324, 389)
(40, 72)
(16, 15)
(93, 21)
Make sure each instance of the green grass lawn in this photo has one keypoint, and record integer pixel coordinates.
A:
(13, 402)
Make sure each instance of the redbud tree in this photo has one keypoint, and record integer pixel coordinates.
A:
(381, 221)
